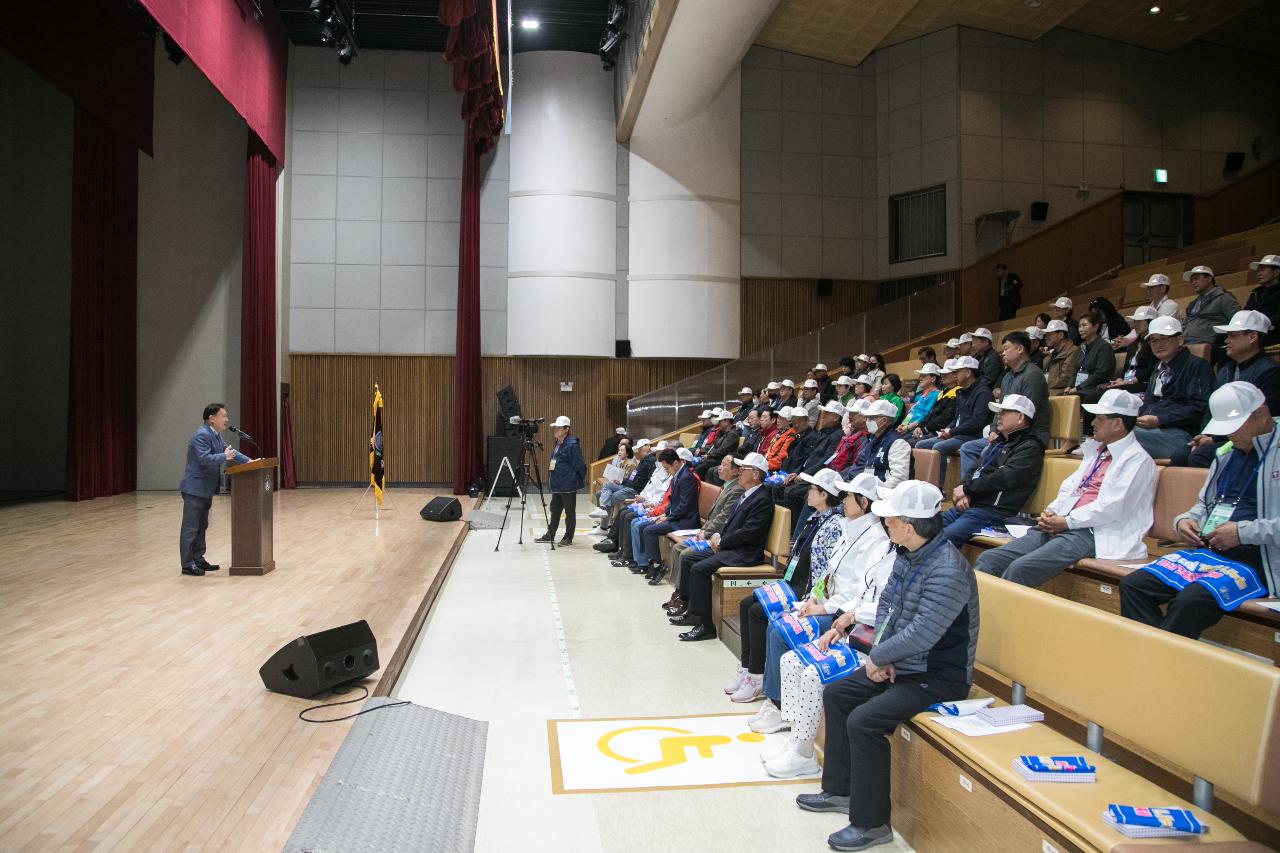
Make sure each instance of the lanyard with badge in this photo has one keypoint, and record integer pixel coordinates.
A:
(1082, 375)
(987, 455)
(1225, 505)
(802, 542)
(819, 591)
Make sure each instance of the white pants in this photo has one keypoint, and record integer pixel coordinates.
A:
(801, 697)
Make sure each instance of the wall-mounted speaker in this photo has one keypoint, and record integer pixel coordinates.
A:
(622, 348)
(319, 662)
(825, 286)
(1234, 161)
(1039, 211)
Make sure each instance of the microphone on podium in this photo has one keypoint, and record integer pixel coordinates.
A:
(244, 435)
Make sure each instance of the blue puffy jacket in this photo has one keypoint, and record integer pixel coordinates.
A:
(570, 471)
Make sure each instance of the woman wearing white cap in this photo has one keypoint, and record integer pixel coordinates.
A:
(927, 392)
(844, 599)
(1140, 361)
(567, 476)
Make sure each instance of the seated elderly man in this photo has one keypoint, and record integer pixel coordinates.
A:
(726, 442)
(1227, 517)
(746, 402)
(1022, 378)
(1005, 475)
(1102, 510)
(681, 554)
(887, 453)
(680, 513)
(922, 654)
(971, 414)
(1176, 394)
(740, 543)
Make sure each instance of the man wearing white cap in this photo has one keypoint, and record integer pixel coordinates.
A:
(683, 555)
(1035, 335)
(1005, 474)
(610, 446)
(989, 366)
(965, 347)
(826, 388)
(925, 639)
(740, 543)
(1060, 309)
(1022, 379)
(1176, 395)
(1266, 296)
(746, 402)
(971, 415)
(809, 401)
(726, 442)
(1212, 306)
(1157, 288)
(950, 349)
(1102, 510)
(888, 454)
(1063, 356)
(943, 410)
(681, 514)
(567, 476)
(778, 447)
(786, 394)
(1231, 516)
(708, 418)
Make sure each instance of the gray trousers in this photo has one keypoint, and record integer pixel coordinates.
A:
(1037, 557)
(195, 521)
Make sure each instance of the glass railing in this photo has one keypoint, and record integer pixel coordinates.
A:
(884, 327)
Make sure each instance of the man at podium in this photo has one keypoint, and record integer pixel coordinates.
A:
(206, 454)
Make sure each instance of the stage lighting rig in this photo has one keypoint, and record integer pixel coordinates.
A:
(337, 26)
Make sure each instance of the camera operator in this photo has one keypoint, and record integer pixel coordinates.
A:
(568, 473)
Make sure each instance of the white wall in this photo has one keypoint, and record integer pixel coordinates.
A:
(190, 212)
(374, 191)
(35, 278)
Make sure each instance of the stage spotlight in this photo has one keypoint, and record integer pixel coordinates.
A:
(329, 30)
(347, 50)
(176, 53)
(610, 43)
(617, 15)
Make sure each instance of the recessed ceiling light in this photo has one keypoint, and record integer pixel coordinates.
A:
(1032, 4)
(529, 23)
(1154, 10)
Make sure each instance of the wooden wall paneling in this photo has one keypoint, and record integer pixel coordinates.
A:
(1241, 205)
(775, 310)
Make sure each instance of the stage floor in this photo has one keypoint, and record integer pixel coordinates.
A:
(134, 716)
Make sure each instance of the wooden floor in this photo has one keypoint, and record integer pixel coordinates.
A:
(133, 717)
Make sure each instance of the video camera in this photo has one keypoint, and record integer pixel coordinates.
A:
(527, 426)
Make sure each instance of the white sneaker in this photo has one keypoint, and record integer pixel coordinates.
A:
(792, 764)
(778, 749)
(751, 689)
(596, 531)
(732, 686)
(597, 513)
(768, 721)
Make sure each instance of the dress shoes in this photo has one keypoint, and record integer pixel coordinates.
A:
(567, 540)
(192, 570)
(685, 619)
(546, 537)
(209, 567)
(605, 546)
(823, 802)
(676, 600)
(698, 632)
(639, 568)
(656, 576)
(679, 607)
(856, 838)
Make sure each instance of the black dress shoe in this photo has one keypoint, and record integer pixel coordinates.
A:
(638, 568)
(192, 570)
(209, 567)
(546, 537)
(656, 577)
(698, 632)
(685, 619)
(605, 546)
(678, 607)
(568, 540)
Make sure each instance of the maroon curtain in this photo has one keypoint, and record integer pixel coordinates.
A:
(102, 419)
(258, 387)
(472, 48)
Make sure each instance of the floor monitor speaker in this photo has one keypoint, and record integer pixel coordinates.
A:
(318, 662)
(442, 509)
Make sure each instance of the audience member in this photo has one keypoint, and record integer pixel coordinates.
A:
(625, 461)
(746, 402)
(1063, 357)
(971, 415)
(769, 425)
(844, 389)
(887, 454)
(1114, 325)
(1097, 364)
(782, 440)
(1212, 306)
(1266, 296)
(650, 496)
(1157, 289)
(1019, 378)
(1042, 320)
(927, 355)
(680, 513)
(610, 446)
(804, 441)
(1035, 339)
(714, 523)
(1009, 288)
(1140, 361)
(726, 442)
(809, 402)
(965, 345)
(708, 421)
(950, 350)
(786, 394)
(1177, 393)
(1005, 474)
(1102, 510)
(826, 388)
(926, 395)
(944, 408)
(927, 633)
(989, 367)
(890, 386)
(1225, 517)
(821, 450)
(1061, 309)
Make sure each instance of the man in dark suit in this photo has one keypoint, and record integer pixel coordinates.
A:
(740, 543)
(206, 454)
(1009, 288)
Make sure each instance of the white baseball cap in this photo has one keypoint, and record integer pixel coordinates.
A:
(706, 413)
(864, 379)
(820, 366)
(965, 361)
(799, 412)
(1267, 261)
(826, 479)
(726, 415)
(862, 357)
(910, 498)
(929, 369)
(1035, 332)
(561, 421)
(772, 386)
(1143, 312)
(949, 366)
(684, 453)
(1115, 402)
(1231, 405)
(644, 442)
(966, 338)
(1246, 321)
(811, 383)
(621, 430)
(1157, 280)
(843, 379)
(1200, 270)
(745, 390)
(662, 445)
(865, 484)
(788, 383)
(1014, 403)
(861, 406)
(753, 460)
(1164, 326)
(982, 332)
(1063, 302)
(834, 407)
(881, 408)
(1056, 326)
(784, 412)
(952, 343)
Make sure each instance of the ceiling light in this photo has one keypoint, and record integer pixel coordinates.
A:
(1180, 17)
(1032, 4)
(529, 24)
(1154, 10)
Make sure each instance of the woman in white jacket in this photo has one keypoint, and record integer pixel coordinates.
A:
(850, 593)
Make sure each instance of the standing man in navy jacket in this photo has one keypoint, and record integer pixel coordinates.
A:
(206, 453)
(568, 474)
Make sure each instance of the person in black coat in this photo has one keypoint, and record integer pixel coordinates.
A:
(566, 476)
(1266, 296)
(682, 509)
(610, 446)
(1097, 365)
(740, 543)
(1009, 290)
(727, 439)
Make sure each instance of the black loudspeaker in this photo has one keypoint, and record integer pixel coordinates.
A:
(442, 509)
(622, 348)
(1234, 161)
(496, 447)
(508, 402)
(824, 286)
(1039, 211)
(319, 662)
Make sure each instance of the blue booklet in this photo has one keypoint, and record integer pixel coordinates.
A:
(1230, 582)
(833, 664)
(698, 544)
(797, 630)
(1055, 768)
(775, 479)
(776, 597)
(1142, 822)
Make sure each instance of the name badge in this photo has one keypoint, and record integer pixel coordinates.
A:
(1081, 377)
(880, 629)
(1131, 375)
(552, 465)
(1221, 512)
(791, 569)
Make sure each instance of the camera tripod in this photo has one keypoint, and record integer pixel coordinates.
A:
(528, 464)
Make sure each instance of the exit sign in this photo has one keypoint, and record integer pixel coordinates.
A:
(1161, 176)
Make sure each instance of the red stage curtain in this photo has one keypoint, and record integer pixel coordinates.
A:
(472, 48)
(102, 416)
(258, 387)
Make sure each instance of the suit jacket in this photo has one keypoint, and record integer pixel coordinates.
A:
(205, 456)
(724, 505)
(743, 537)
(682, 511)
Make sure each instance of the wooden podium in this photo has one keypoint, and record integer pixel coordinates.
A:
(252, 490)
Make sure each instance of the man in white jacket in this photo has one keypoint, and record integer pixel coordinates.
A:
(1102, 510)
